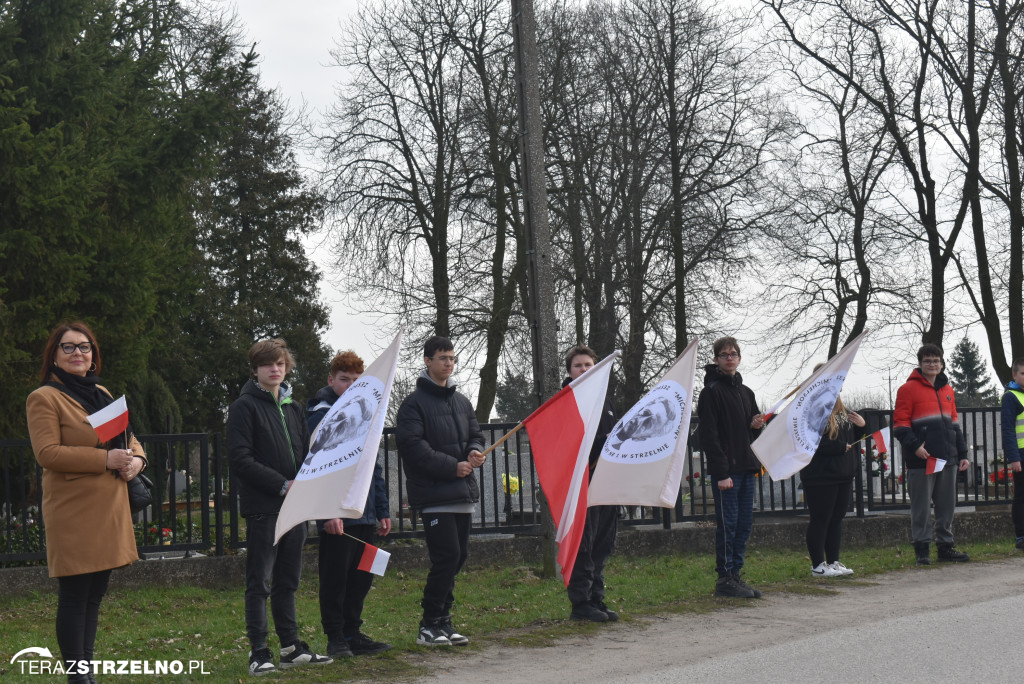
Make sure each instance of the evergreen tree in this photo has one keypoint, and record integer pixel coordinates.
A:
(252, 274)
(94, 180)
(969, 376)
(515, 397)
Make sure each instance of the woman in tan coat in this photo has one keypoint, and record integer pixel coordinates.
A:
(85, 499)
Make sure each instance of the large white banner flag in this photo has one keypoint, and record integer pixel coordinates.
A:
(335, 477)
(642, 460)
(787, 443)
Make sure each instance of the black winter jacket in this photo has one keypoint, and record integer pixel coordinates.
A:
(266, 446)
(725, 408)
(436, 429)
(377, 506)
(833, 463)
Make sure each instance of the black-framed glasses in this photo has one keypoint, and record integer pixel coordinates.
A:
(729, 355)
(69, 347)
(446, 359)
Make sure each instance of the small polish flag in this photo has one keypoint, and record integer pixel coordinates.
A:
(111, 420)
(374, 560)
(881, 440)
(934, 465)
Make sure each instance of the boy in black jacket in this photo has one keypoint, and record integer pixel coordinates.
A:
(439, 443)
(343, 586)
(586, 584)
(267, 440)
(729, 422)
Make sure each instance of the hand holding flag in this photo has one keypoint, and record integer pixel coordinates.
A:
(787, 443)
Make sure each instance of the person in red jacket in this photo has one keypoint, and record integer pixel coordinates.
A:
(925, 423)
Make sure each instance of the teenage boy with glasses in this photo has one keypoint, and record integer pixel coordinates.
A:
(925, 423)
(440, 444)
(729, 420)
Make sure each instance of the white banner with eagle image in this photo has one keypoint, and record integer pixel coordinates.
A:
(642, 461)
(335, 476)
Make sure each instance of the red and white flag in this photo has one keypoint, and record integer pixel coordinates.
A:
(787, 443)
(374, 559)
(934, 465)
(335, 476)
(111, 420)
(562, 432)
(881, 439)
(642, 460)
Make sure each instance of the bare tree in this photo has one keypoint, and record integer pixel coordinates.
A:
(895, 74)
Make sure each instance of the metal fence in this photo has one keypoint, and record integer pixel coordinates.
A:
(195, 505)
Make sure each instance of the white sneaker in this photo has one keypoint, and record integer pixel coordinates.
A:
(823, 569)
(841, 569)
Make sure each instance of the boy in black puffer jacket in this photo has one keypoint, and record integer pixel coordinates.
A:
(439, 444)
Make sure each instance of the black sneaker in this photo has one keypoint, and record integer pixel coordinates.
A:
(261, 662)
(338, 648)
(921, 553)
(360, 644)
(449, 631)
(298, 653)
(727, 587)
(948, 554)
(431, 634)
(588, 612)
(612, 615)
(756, 593)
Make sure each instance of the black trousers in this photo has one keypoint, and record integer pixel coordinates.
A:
(447, 536)
(1017, 507)
(586, 584)
(78, 614)
(827, 505)
(343, 587)
(271, 571)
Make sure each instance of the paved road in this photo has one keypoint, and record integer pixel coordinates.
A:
(945, 623)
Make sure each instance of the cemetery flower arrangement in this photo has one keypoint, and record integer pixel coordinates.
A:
(153, 534)
(879, 464)
(696, 480)
(1000, 475)
(510, 483)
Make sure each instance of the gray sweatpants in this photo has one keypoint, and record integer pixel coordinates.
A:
(938, 489)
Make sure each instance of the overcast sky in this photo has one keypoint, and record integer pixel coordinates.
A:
(294, 41)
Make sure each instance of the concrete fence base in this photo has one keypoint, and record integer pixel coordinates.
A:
(769, 532)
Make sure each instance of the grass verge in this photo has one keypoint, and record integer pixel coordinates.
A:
(508, 606)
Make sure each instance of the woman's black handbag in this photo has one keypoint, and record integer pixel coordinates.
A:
(139, 492)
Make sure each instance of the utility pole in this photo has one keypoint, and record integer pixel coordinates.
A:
(540, 279)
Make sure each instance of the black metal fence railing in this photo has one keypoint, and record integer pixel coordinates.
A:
(195, 505)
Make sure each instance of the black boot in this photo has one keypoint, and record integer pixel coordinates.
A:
(921, 551)
(948, 554)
